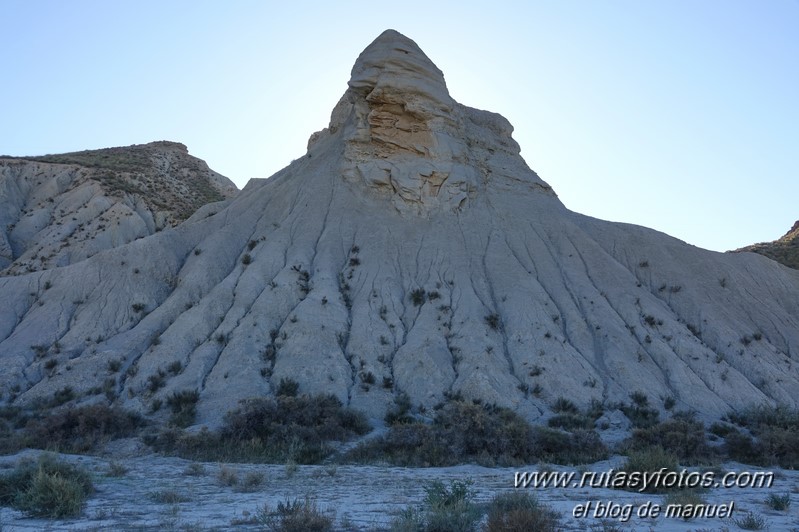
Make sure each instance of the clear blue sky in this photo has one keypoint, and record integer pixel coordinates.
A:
(680, 115)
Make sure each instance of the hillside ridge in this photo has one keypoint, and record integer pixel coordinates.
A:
(409, 256)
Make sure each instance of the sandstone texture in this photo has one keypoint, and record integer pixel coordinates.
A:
(411, 251)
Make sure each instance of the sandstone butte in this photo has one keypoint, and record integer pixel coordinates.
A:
(411, 250)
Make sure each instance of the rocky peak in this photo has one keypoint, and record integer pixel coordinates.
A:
(393, 70)
(408, 141)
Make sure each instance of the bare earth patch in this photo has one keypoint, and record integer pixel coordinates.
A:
(171, 493)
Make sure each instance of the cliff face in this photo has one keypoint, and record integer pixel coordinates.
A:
(59, 209)
(411, 250)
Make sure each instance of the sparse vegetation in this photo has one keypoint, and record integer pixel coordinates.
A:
(46, 488)
(683, 498)
(194, 470)
(61, 396)
(298, 515)
(156, 381)
(468, 432)
(648, 460)
(274, 429)
(779, 503)
(684, 438)
(115, 469)
(287, 387)
(775, 437)
(418, 297)
(750, 521)
(175, 367)
(131, 170)
(78, 429)
(639, 413)
(445, 509)
(252, 481)
(184, 407)
(167, 497)
(519, 511)
(227, 477)
(493, 321)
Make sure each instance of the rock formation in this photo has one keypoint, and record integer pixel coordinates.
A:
(59, 209)
(410, 251)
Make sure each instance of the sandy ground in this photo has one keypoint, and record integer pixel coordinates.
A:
(362, 497)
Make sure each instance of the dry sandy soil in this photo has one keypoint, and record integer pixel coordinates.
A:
(362, 497)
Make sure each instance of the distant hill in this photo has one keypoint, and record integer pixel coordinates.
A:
(784, 250)
(59, 209)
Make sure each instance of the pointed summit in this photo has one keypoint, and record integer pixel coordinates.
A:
(393, 68)
(408, 141)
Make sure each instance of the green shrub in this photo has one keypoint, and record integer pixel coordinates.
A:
(775, 441)
(298, 515)
(565, 406)
(519, 511)
(640, 415)
(418, 297)
(571, 422)
(683, 498)
(647, 461)
(184, 407)
(61, 396)
(639, 399)
(115, 469)
(779, 503)
(81, 429)
(287, 387)
(683, 438)
(227, 477)
(780, 416)
(750, 521)
(400, 412)
(271, 429)
(489, 435)
(46, 488)
(252, 481)
(493, 321)
(721, 429)
(568, 448)
(444, 509)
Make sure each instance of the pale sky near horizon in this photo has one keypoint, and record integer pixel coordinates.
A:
(678, 115)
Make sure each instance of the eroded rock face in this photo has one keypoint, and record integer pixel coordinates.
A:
(410, 251)
(60, 209)
(407, 139)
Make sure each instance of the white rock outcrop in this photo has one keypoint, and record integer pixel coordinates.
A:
(411, 250)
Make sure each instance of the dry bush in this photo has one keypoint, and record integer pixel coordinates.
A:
(685, 438)
(489, 435)
(519, 511)
(46, 488)
(272, 429)
(81, 429)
